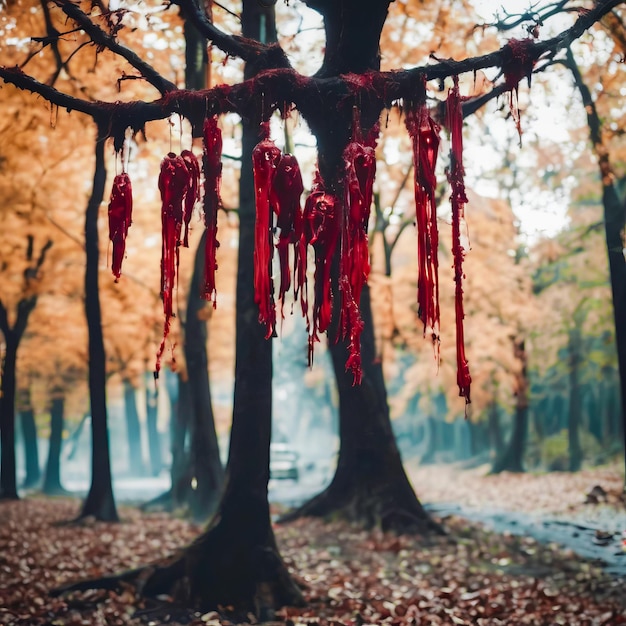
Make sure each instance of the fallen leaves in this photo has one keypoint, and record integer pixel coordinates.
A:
(349, 576)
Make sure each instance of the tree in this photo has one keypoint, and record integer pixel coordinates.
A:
(13, 333)
(235, 562)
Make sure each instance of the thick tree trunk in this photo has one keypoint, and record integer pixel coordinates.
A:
(29, 435)
(52, 479)
(99, 502)
(8, 477)
(206, 465)
(370, 485)
(154, 440)
(181, 463)
(133, 430)
(235, 562)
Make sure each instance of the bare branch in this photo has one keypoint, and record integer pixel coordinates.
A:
(102, 39)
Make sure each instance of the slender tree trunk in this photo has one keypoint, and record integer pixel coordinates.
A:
(133, 430)
(8, 477)
(100, 502)
(495, 432)
(206, 465)
(513, 458)
(181, 470)
(236, 562)
(614, 221)
(52, 479)
(154, 440)
(29, 435)
(575, 400)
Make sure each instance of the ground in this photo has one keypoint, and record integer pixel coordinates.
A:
(349, 576)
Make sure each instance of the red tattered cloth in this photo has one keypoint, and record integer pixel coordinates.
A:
(458, 200)
(424, 133)
(212, 166)
(120, 219)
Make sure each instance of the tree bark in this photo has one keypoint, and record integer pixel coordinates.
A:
(29, 435)
(236, 562)
(154, 440)
(8, 476)
(52, 478)
(575, 399)
(370, 485)
(206, 465)
(133, 430)
(513, 458)
(100, 502)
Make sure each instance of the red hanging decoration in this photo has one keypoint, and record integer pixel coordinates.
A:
(424, 133)
(174, 185)
(120, 219)
(212, 166)
(321, 230)
(519, 66)
(286, 191)
(265, 158)
(458, 200)
(358, 179)
(193, 193)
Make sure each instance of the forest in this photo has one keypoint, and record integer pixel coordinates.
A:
(312, 312)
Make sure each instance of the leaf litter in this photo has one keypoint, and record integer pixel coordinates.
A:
(349, 575)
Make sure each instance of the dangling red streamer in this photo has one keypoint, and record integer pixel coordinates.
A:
(265, 158)
(193, 193)
(321, 230)
(458, 200)
(174, 184)
(287, 189)
(519, 66)
(120, 219)
(424, 133)
(354, 266)
(212, 165)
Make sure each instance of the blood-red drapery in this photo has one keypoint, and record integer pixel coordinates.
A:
(193, 193)
(424, 133)
(359, 159)
(265, 158)
(120, 219)
(212, 166)
(458, 200)
(174, 184)
(286, 191)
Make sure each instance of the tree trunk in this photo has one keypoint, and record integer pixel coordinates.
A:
(181, 470)
(235, 562)
(99, 502)
(496, 443)
(206, 465)
(29, 434)
(575, 400)
(154, 440)
(8, 477)
(133, 430)
(52, 479)
(370, 485)
(513, 458)
(614, 220)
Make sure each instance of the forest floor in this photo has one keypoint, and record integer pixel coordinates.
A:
(349, 576)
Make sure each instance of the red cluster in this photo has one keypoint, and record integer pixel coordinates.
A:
(458, 200)
(359, 159)
(120, 219)
(519, 66)
(179, 183)
(424, 133)
(212, 164)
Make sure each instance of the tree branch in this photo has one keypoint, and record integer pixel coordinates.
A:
(102, 39)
